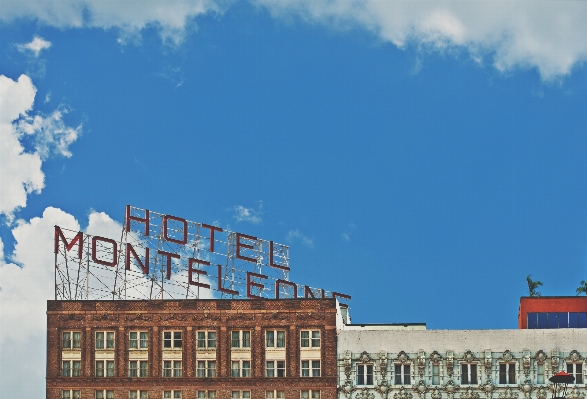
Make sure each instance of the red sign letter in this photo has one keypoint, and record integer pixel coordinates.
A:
(79, 238)
(212, 230)
(220, 288)
(169, 256)
(185, 229)
(144, 266)
(278, 284)
(308, 291)
(191, 261)
(240, 245)
(144, 220)
(338, 294)
(271, 258)
(114, 251)
(253, 284)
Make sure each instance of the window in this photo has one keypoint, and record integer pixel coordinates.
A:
(540, 373)
(206, 395)
(105, 368)
(138, 394)
(138, 368)
(206, 368)
(70, 368)
(557, 320)
(104, 394)
(435, 374)
(310, 394)
(576, 370)
(138, 340)
(310, 339)
(71, 340)
(468, 374)
(71, 394)
(171, 340)
(240, 368)
(275, 368)
(402, 374)
(274, 394)
(172, 394)
(310, 368)
(105, 340)
(172, 368)
(241, 395)
(206, 340)
(272, 342)
(507, 373)
(240, 339)
(364, 374)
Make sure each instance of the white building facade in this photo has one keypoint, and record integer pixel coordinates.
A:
(410, 362)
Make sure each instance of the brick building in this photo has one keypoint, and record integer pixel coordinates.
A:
(206, 349)
(552, 312)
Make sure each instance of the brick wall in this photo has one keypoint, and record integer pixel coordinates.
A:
(189, 316)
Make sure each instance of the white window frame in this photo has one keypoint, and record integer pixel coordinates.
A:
(540, 375)
(70, 367)
(244, 394)
(310, 394)
(105, 369)
(140, 342)
(175, 369)
(209, 371)
(138, 368)
(577, 374)
(69, 394)
(104, 394)
(206, 394)
(275, 368)
(508, 366)
(107, 344)
(274, 341)
(173, 394)
(311, 369)
(138, 394)
(172, 340)
(72, 342)
(206, 340)
(312, 341)
(470, 367)
(241, 371)
(363, 371)
(404, 377)
(243, 343)
(276, 394)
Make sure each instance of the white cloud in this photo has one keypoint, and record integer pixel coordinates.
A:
(298, 236)
(346, 237)
(35, 46)
(170, 17)
(20, 171)
(546, 35)
(243, 214)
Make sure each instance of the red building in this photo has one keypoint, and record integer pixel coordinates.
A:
(552, 312)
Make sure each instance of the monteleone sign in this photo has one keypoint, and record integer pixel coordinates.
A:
(161, 256)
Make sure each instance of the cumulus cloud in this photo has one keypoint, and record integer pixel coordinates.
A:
(20, 171)
(297, 236)
(251, 215)
(548, 36)
(35, 46)
(170, 17)
(346, 235)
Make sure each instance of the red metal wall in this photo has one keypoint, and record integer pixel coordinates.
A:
(549, 304)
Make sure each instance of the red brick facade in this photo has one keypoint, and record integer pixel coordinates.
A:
(188, 317)
(549, 304)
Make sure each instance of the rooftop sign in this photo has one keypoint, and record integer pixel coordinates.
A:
(168, 257)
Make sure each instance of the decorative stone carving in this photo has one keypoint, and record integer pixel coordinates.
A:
(403, 357)
(487, 364)
(105, 317)
(526, 388)
(364, 357)
(172, 316)
(347, 389)
(402, 394)
(469, 357)
(470, 394)
(383, 389)
(364, 394)
(574, 356)
(436, 394)
(71, 317)
(507, 356)
(526, 365)
(435, 357)
(508, 393)
(450, 362)
(450, 388)
(576, 394)
(540, 356)
(542, 392)
(421, 363)
(554, 364)
(420, 388)
(347, 364)
(383, 364)
(488, 388)
(138, 317)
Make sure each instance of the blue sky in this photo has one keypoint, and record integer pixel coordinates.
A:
(423, 158)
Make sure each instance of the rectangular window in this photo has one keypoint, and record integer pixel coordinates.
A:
(364, 374)
(240, 368)
(241, 395)
(402, 374)
(274, 394)
(206, 339)
(310, 394)
(310, 368)
(206, 368)
(240, 339)
(576, 370)
(138, 368)
(540, 373)
(171, 394)
(71, 394)
(507, 373)
(172, 368)
(76, 368)
(143, 369)
(138, 340)
(101, 394)
(105, 340)
(104, 368)
(172, 340)
(468, 374)
(138, 394)
(275, 339)
(435, 374)
(310, 339)
(66, 369)
(206, 395)
(71, 340)
(275, 368)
